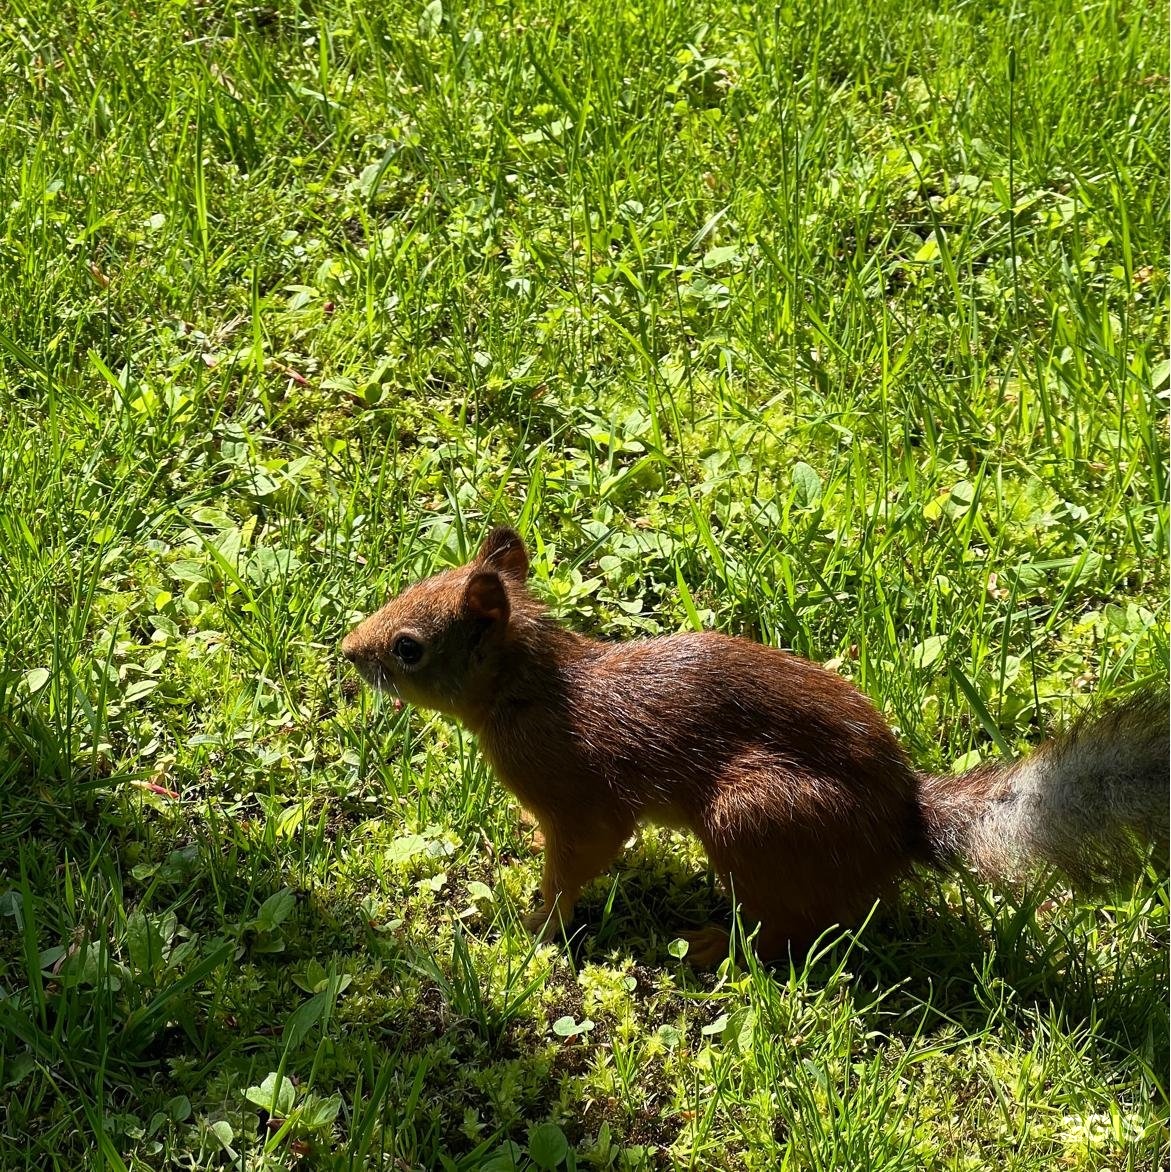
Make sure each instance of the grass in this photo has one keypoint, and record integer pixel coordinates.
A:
(838, 325)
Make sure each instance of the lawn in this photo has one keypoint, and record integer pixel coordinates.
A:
(839, 325)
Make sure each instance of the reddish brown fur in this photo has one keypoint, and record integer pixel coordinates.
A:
(805, 802)
(801, 795)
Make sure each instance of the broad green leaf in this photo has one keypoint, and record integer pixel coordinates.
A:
(547, 1145)
(807, 483)
(275, 910)
(276, 1095)
(431, 18)
(924, 654)
(567, 1027)
(317, 1113)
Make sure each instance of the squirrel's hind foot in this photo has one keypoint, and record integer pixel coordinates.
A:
(706, 946)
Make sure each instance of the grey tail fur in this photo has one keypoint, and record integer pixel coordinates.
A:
(1093, 802)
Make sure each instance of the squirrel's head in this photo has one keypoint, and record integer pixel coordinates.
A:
(434, 645)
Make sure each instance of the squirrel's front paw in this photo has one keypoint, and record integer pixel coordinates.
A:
(544, 923)
(537, 921)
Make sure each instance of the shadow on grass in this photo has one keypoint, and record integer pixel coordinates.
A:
(424, 1005)
(938, 955)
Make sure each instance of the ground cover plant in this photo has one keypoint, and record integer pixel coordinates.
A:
(841, 325)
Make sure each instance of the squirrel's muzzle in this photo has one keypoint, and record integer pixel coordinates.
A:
(358, 648)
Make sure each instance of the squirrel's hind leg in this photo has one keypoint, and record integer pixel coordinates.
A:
(777, 937)
(780, 885)
(706, 946)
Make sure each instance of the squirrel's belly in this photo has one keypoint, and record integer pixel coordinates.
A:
(665, 813)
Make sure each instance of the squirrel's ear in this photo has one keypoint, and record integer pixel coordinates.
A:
(504, 551)
(486, 598)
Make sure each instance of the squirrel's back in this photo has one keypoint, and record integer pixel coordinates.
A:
(690, 702)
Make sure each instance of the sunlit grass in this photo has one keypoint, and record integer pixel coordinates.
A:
(842, 327)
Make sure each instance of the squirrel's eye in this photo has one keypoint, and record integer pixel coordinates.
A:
(407, 651)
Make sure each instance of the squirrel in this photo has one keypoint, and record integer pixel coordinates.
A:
(806, 803)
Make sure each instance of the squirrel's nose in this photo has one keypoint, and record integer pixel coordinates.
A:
(350, 649)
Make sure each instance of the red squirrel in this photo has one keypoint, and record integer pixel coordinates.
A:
(805, 801)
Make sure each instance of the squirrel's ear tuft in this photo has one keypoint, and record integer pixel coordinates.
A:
(486, 598)
(504, 551)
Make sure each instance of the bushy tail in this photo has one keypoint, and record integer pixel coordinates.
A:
(1092, 802)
